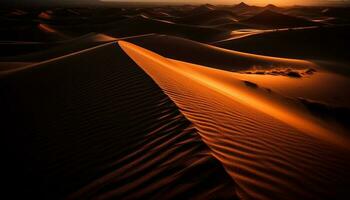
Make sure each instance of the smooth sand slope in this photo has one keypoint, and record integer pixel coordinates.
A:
(270, 149)
(94, 125)
(292, 78)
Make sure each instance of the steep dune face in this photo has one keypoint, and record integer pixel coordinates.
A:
(94, 125)
(268, 148)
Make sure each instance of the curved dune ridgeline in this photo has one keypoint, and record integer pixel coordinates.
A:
(145, 100)
(269, 150)
(81, 128)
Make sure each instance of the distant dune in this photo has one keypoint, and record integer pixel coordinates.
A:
(241, 7)
(33, 52)
(142, 25)
(158, 101)
(327, 43)
(203, 9)
(187, 50)
(272, 7)
(271, 19)
(212, 17)
(244, 10)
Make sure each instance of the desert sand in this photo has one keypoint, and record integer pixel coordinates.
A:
(140, 101)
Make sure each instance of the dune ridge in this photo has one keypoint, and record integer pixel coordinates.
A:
(101, 129)
(230, 102)
(267, 158)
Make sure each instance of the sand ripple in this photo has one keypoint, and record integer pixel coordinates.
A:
(267, 157)
(94, 125)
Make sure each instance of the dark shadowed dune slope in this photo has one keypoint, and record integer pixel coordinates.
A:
(94, 125)
(211, 56)
(141, 25)
(35, 52)
(318, 43)
(268, 157)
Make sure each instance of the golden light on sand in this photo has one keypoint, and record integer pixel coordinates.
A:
(225, 84)
(143, 99)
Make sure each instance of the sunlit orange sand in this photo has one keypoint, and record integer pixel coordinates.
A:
(113, 133)
(129, 100)
(270, 148)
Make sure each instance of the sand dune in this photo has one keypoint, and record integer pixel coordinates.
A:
(203, 9)
(212, 17)
(47, 29)
(289, 77)
(33, 32)
(233, 26)
(4, 66)
(37, 52)
(102, 129)
(141, 25)
(272, 7)
(269, 156)
(16, 48)
(327, 43)
(155, 101)
(271, 19)
(244, 10)
(242, 7)
(189, 51)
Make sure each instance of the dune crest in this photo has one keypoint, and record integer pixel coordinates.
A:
(224, 83)
(108, 99)
(102, 129)
(265, 147)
